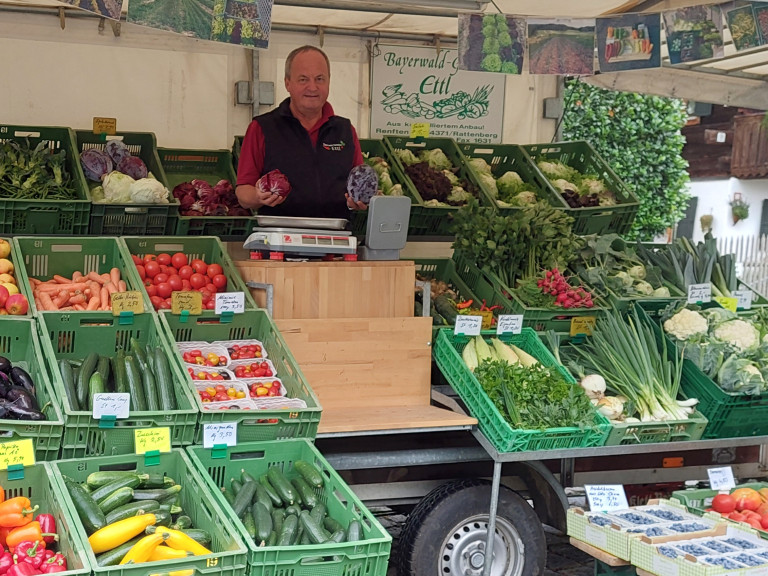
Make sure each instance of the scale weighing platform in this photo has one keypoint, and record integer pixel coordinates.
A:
(301, 242)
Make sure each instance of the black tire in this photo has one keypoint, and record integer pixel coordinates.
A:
(445, 534)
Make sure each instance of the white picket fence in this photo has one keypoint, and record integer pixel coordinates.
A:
(751, 259)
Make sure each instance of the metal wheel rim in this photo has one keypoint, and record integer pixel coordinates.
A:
(463, 550)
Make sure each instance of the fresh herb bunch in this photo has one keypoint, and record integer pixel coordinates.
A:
(535, 397)
(34, 173)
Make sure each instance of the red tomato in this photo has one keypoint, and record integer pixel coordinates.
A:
(160, 278)
(142, 272)
(199, 266)
(163, 268)
(136, 259)
(179, 259)
(164, 290)
(164, 258)
(206, 295)
(764, 522)
(724, 503)
(149, 257)
(197, 281)
(185, 285)
(165, 304)
(211, 304)
(171, 271)
(152, 290)
(211, 288)
(156, 301)
(214, 269)
(147, 282)
(175, 282)
(186, 271)
(152, 269)
(219, 280)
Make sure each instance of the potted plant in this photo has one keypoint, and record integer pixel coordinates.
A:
(739, 209)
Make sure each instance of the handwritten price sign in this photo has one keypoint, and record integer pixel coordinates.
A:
(117, 405)
(152, 439)
(192, 302)
(510, 324)
(743, 299)
(721, 478)
(699, 293)
(218, 434)
(606, 497)
(230, 302)
(15, 453)
(130, 301)
(468, 325)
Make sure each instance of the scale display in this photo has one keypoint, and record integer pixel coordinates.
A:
(306, 242)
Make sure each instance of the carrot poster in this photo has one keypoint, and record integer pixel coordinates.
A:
(629, 42)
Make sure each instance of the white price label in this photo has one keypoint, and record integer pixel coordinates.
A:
(468, 325)
(743, 299)
(699, 293)
(230, 302)
(111, 404)
(509, 323)
(218, 434)
(606, 497)
(721, 478)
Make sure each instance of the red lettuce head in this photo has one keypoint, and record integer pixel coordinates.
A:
(274, 182)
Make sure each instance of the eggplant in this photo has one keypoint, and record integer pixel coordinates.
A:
(5, 414)
(18, 396)
(5, 384)
(18, 412)
(21, 377)
(5, 365)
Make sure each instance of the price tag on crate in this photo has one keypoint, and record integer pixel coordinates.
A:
(103, 125)
(606, 497)
(109, 406)
(233, 302)
(721, 478)
(699, 293)
(468, 325)
(582, 325)
(743, 299)
(190, 302)
(727, 303)
(152, 441)
(127, 302)
(15, 455)
(221, 434)
(510, 324)
(420, 130)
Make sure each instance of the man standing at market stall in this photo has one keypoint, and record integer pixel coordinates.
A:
(306, 141)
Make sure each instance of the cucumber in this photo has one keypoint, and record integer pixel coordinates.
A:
(354, 531)
(138, 352)
(165, 392)
(263, 497)
(102, 367)
(236, 486)
(113, 557)
(84, 377)
(243, 498)
(150, 390)
(182, 522)
(159, 494)
(228, 496)
(281, 485)
(332, 525)
(129, 480)
(278, 517)
(97, 479)
(89, 512)
(304, 539)
(68, 377)
(309, 472)
(316, 533)
(246, 477)
(263, 520)
(337, 537)
(118, 370)
(272, 540)
(292, 510)
(250, 525)
(157, 481)
(299, 533)
(85, 487)
(118, 498)
(198, 535)
(95, 386)
(318, 513)
(288, 531)
(273, 495)
(132, 509)
(307, 494)
(133, 377)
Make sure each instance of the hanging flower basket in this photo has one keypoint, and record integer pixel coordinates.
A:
(739, 209)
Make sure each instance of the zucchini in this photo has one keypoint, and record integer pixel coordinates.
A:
(304, 539)
(288, 531)
(162, 518)
(246, 477)
(273, 495)
(336, 538)
(244, 498)
(299, 533)
(198, 535)
(308, 496)
(159, 494)
(316, 533)
(281, 485)
(97, 479)
(447, 308)
(168, 507)
(118, 370)
(318, 513)
(85, 487)
(89, 512)
(83, 378)
(272, 540)
(113, 557)
(309, 472)
(118, 498)
(354, 531)
(278, 517)
(263, 520)
(250, 525)
(292, 510)
(102, 367)
(132, 509)
(157, 481)
(331, 524)
(68, 377)
(129, 480)
(236, 486)
(150, 390)
(263, 497)
(138, 352)
(165, 392)
(133, 377)
(182, 522)
(228, 496)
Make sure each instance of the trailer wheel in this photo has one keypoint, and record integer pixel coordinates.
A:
(445, 534)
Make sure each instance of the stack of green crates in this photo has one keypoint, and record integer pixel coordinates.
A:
(117, 219)
(209, 165)
(41, 216)
(368, 556)
(228, 556)
(74, 336)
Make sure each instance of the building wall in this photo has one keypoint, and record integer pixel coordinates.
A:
(714, 196)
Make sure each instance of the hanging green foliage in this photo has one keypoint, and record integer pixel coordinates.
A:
(639, 136)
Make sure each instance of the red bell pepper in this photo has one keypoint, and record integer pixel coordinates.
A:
(30, 552)
(47, 527)
(22, 570)
(16, 512)
(47, 554)
(56, 563)
(6, 561)
(3, 535)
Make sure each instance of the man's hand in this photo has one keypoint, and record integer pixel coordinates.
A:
(353, 205)
(251, 197)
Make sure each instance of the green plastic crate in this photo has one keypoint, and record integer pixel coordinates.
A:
(23, 287)
(429, 220)
(758, 300)
(73, 336)
(597, 219)
(47, 216)
(649, 303)
(44, 257)
(367, 557)
(209, 165)
(499, 432)
(700, 499)
(118, 219)
(263, 424)
(40, 486)
(20, 344)
(490, 288)
(503, 158)
(229, 553)
(208, 248)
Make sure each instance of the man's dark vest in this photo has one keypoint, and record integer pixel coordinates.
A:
(318, 175)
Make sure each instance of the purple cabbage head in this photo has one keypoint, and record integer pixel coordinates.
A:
(96, 164)
(133, 166)
(362, 183)
(116, 150)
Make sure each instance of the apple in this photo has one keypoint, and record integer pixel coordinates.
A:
(5, 248)
(7, 278)
(6, 266)
(12, 288)
(3, 295)
(17, 305)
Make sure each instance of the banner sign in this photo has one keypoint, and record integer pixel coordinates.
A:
(694, 33)
(629, 42)
(491, 43)
(561, 46)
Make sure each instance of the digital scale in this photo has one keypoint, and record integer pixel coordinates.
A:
(386, 234)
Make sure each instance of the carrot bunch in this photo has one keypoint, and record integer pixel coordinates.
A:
(91, 291)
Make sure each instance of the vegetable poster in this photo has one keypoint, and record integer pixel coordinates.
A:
(694, 33)
(561, 46)
(629, 42)
(416, 85)
(748, 24)
(107, 8)
(243, 22)
(491, 43)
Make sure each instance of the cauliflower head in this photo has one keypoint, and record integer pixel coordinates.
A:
(738, 333)
(686, 324)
